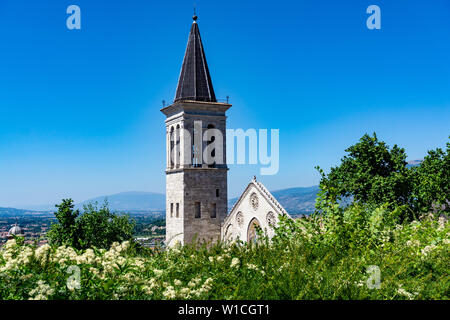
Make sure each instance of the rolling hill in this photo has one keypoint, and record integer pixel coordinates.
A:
(133, 200)
(294, 200)
(12, 212)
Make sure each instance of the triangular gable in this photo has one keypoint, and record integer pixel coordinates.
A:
(269, 203)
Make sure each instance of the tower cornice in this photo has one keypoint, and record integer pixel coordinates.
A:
(190, 105)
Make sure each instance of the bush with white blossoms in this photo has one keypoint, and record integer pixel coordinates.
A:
(321, 257)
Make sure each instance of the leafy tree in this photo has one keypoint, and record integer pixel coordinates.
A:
(94, 227)
(66, 230)
(101, 227)
(371, 173)
(432, 182)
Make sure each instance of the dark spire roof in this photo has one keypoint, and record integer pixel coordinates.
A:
(195, 82)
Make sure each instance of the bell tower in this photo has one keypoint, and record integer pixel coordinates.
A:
(196, 169)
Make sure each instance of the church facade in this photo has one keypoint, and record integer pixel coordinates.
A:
(196, 167)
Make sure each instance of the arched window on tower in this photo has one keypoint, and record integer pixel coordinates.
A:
(213, 152)
(172, 147)
(177, 146)
(196, 156)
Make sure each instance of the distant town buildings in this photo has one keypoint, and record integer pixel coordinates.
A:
(32, 233)
(15, 231)
(34, 230)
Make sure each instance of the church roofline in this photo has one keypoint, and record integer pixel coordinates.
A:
(270, 196)
(266, 193)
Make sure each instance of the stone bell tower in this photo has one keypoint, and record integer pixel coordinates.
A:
(196, 170)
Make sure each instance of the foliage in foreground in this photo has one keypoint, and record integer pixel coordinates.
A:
(95, 227)
(321, 257)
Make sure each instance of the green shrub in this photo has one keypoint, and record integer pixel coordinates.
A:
(325, 256)
(95, 227)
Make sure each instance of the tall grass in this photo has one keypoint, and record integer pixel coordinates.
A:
(325, 256)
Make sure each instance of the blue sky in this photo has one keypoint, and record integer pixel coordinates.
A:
(79, 109)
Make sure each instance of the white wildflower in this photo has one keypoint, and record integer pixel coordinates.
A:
(121, 261)
(413, 243)
(152, 283)
(158, 272)
(94, 271)
(116, 247)
(177, 282)
(186, 292)
(41, 292)
(234, 262)
(41, 253)
(405, 293)
(39, 297)
(169, 293)
(194, 282)
(125, 245)
(10, 244)
(148, 290)
(175, 250)
(252, 266)
(441, 223)
(89, 256)
(24, 256)
(428, 249)
(360, 283)
(139, 263)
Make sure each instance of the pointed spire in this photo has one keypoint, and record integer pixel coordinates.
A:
(195, 82)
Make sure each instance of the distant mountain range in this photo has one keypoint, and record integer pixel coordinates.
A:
(294, 200)
(133, 200)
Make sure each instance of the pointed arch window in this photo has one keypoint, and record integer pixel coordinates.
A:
(252, 233)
